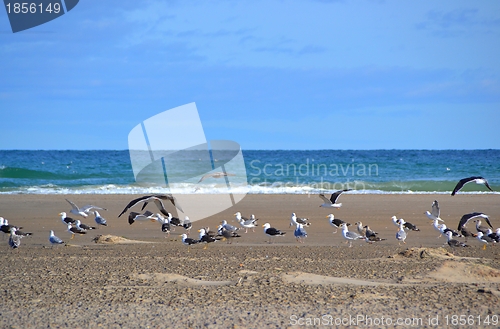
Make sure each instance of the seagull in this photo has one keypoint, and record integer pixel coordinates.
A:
(300, 233)
(484, 239)
(395, 220)
(227, 234)
(373, 238)
(435, 212)
(401, 234)
(75, 230)
(494, 235)
(135, 216)
(409, 226)
(99, 220)
(476, 179)
(335, 222)
(438, 227)
(165, 223)
(218, 174)
(84, 227)
(454, 243)
(66, 220)
(157, 199)
(349, 236)
(361, 229)
(445, 230)
(229, 227)
(369, 232)
(14, 239)
(467, 217)
(272, 232)
(54, 239)
(480, 228)
(5, 227)
(245, 222)
(294, 220)
(188, 241)
(332, 202)
(204, 237)
(83, 211)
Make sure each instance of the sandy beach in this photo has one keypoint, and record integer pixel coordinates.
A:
(150, 280)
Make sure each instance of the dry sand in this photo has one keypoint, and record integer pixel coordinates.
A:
(160, 283)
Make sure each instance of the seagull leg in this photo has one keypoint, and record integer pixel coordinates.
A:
(72, 236)
(484, 247)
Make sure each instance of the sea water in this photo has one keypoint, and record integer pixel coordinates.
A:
(267, 172)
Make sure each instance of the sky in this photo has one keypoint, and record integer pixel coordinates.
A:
(268, 74)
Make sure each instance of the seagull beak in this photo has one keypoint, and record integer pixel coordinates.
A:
(199, 230)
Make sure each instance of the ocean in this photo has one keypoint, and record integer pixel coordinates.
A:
(267, 172)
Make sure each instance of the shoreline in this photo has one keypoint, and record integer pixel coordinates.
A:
(249, 283)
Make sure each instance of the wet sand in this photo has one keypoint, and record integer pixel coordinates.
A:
(249, 283)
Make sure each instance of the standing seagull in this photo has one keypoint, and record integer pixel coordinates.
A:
(299, 233)
(452, 242)
(332, 202)
(476, 179)
(294, 220)
(14, 239)
(66, 220)
(54, 239)
(484, 239)
(272, 232)
(335, 222)
(100, 220)
(401, 234)
(245, 222)
(75, 230)
(188, 241)
(83, 211)
(349, 236)
(157, 199)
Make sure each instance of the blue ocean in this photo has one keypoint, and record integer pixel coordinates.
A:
(267, 172)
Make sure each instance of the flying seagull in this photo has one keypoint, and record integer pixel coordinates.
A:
(83, 211)
(157, 199)
(467, 217)
(435, 212)
(134, 216)
(218, 174)
(332, 202)
(476, 179)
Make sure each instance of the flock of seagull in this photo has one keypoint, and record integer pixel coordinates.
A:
(228, 232)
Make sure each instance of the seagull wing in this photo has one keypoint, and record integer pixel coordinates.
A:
(336, 195)
(322, 196)
(467, 217)
(73, 205)
(435, 209)
(89, 207)
(487, 185)
(170, 198)
(133, 203)
(461, 184)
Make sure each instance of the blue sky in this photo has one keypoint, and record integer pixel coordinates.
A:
(298, 74)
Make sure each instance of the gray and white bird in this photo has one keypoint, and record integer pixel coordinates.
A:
(83, 211)
(361, 229)
(54, 239)
(294, 220)
(246, 223)
(14, 239)
(401, 234)
(484, 239)
(435, 212)
(300, 233)
(99, 219)
(349, 236)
